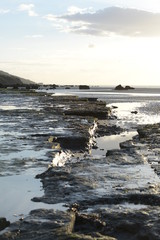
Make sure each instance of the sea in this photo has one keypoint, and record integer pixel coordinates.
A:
(21, 161)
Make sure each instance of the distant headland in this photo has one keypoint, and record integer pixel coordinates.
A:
(7, 79)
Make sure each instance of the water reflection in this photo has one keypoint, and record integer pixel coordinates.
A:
(111, 142)
(17, 192)
(146, 113)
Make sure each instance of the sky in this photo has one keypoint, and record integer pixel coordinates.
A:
(93, 42)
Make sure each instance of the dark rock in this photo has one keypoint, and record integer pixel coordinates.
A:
(92, 99)
(120, 87)
(134, 112)
(88, 223)
(127, 144)
(128, 88)
(106, 130)
(73, 142)
(131, 224)
(4, 223)
(114, 107)
(97, 113)
(84, 87)
(42, 224)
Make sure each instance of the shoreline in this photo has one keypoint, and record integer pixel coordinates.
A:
(107, 196)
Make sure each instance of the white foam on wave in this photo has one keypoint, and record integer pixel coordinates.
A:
(92, 131)
(61, 158)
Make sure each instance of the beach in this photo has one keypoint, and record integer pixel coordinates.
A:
(80, 164)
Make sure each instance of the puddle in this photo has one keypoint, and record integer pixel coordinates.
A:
(17, 192)
(111, 142)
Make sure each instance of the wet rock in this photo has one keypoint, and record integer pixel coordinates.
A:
(42, 224)
(134, 112)
(121, 172)
(112, 197)
(127, 144)
(97, 113)
(131, 224)
(149, 135)
(104, 129)
(130, 201)
(3, 223)
(91, 107)
(89, 224)
(84, 87)
(114, 107)
(73, 142)
(128, 87)
(49, 224)
(120, 87)
(149, 130)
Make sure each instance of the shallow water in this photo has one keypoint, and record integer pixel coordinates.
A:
(18, 190)
(23, 156)
(130, 115)
(120, 207)
(111, 142)
(110, 94)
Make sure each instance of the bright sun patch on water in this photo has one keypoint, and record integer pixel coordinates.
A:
(131, 114)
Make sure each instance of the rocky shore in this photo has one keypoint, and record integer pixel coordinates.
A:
(116, 196)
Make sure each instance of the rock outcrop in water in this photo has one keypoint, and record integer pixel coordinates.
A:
(83, 87)
(120, 87)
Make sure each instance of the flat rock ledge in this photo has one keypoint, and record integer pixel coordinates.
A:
(112, 197)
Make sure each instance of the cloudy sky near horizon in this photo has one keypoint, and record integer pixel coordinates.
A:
(95, 42)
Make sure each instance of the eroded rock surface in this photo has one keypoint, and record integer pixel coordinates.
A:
(116, 196)
(33, 125)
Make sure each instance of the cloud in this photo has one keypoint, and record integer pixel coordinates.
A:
(74, 10)
(34, 36)
(29, 8)
(91, 45)
(63, 25)
(110, 21)
(4, 11)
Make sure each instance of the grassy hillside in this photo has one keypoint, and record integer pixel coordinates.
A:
(7, 79)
